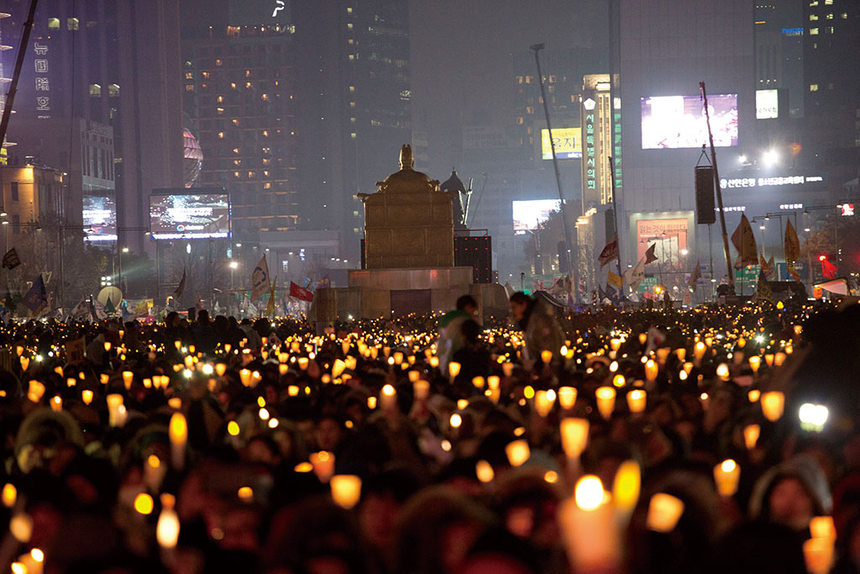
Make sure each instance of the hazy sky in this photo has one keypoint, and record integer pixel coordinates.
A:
(462, 59)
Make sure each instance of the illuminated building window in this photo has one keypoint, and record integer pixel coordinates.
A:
(813, 17)
(236, 174)
(189, 75)
(265, 97)
(351, 120)
(844, 15)
(528, 79)
(236, 150)
(350, 41)
(267, 185)
(352, 88)
(352, 135)
(72, 23)
(520, 121)
(813, 31)
(189, 88)
(349, 26)
(218, 62)
(813, 4)
(352, 104)
(220, 135)
(220, 99)
(247, 85)
(206, 75)
(828, 2)
(265, 133)
(95, 91)
(828, 29)
(247, 73)
(113, 90)
(352, 56)
(813, 87)
(829, 16)
(235, 122)
(54, 23)
(233, 85)
(219, 110)
(349, 10)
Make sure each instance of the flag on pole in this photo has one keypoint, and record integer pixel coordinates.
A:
(828, 269)
(270, 308)
(181, 287)
(11, 260)
(141, 309)
(260, 279)
(695, 276)
(792, 244)
(768, 267)
(109, 307)
(324, 283)
(743, 239)
(636, 274)
(300, 293)
(615, 281)
(80, 309)
(763, 291)
(36, 298)
(651, 254)
(609, 252)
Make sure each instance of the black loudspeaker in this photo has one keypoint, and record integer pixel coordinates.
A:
(705, 209)
(477, 253)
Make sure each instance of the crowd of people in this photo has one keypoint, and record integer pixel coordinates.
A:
(431, 445)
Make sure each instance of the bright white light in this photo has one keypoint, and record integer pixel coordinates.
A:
(770, 158)
(234, 265)
(684, 252)
(742, 159)
(812, 417)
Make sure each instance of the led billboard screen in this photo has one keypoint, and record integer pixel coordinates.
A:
(677, 122)
(766, 104)
(191, 216)
(531, 213)
(567, 142)
(99, 216)
(669, 236)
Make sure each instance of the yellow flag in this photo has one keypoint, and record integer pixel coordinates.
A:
(615, 280)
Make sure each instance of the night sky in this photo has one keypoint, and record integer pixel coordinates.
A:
(462, 60)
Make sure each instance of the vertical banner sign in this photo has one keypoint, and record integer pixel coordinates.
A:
(589, 164)
(260, 279)
(43, 84)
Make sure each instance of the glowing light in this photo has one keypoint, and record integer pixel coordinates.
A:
(143, 504)
(589, 493)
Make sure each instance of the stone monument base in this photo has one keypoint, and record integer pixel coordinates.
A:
(378, 293)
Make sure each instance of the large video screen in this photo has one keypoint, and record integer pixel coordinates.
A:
(677, 122)
(99, 215)
(567, 142)
(193, 216)
(531, 213)
(766, 104)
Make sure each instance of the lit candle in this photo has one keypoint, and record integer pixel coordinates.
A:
(434, 362)
(478, 382)
(303, 363)
(822, 527)
(589, 528)
(508, 368)
(664, 511)
(337, 368)
(755, 363)
(36, 391)
(651, 370)
(87, 396)
(574, 436)
(323, 462)
(723, 372)
(389, 399)
(114, 402)
(345, 490)
(699, 352)
(625, 488)
(25, 362)
(484, 471)
(663, 354)
(544, 401)
(57, 404)
(605, 401)
(818, 555)
(9, 495)
(772, 405)
(178, 432)
(726, 475)
(153, 473)
(636, 401)
(768, 358)
(421, 389)
(453, 369)
(567, 397)
(751, 434)
(546, 356)
(245, 377)
(754, 395)
(167, 529)
(779, 358)
(518, 452)
(127, 378)
(681, 353)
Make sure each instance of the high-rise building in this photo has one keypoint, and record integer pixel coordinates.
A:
(354, 106)
(779, 51)
(239, 94)
(832, 82)
(664, 49)
(113, 64)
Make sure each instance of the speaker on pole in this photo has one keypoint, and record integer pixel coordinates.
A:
(705, 208)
